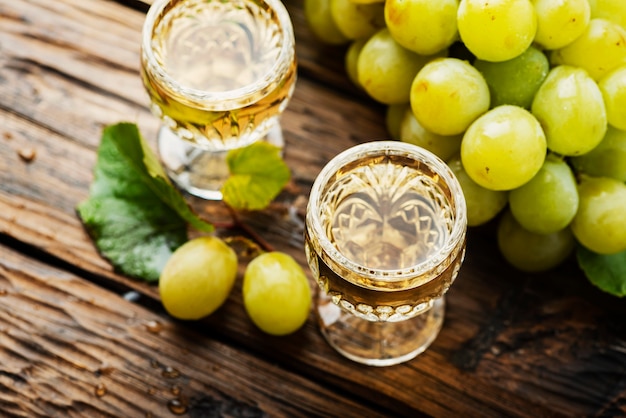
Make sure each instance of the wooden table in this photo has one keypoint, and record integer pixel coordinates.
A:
(79, 340)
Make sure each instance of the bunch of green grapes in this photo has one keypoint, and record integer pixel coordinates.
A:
(524, 99)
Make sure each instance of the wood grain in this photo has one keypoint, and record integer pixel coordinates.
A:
(70, 348)
(512, 345)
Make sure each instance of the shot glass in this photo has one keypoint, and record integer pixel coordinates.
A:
(219, 74)
(385, 238)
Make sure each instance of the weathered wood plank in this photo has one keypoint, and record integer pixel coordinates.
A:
(70, 348)
(512, 345)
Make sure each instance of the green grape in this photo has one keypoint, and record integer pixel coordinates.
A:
(423, 26)
(351, 59)
(386, 70)
(549, 201)
(504, 148)
(482, 204)
(496, 30)
(560, 22)
(321, 23)
(613, 88)
(600, 223)
(570, 108)
(600, 49)
(447, 95)
(276, 293)
(608, 159)
(529, 251)
(393, 119)
(356, 20)
(413, 132)
(198, 278)
(613, 10)
(517, 80)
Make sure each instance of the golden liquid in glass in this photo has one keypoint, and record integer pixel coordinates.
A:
(387, 214)
(212, 49)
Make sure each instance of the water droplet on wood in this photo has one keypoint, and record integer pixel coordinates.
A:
(154, 327)
(176, 390)
(177, 407)
(100, 390)
(170, 372)
(155, 364)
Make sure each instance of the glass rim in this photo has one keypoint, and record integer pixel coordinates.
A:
(387, 147)
(226, 99)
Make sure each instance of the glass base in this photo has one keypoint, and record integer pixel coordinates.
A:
(378, 343)
(198, 171)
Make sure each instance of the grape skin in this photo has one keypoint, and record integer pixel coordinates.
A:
(497, 30)
(549, 201)
(422, 26)
(356, 20)
(560, 22)
(386, 70)
(517, 80)
(351, 60)
(600, 223)
(320, 21)
(529, 251)
(612, 10)
(483, 204)
(608, 159)
(393, 119)
(613, 88)
(599, 50)
(570, 108)
(413, 132)
(504, 148)
(198, 278)
(276, 293)
(447, 95)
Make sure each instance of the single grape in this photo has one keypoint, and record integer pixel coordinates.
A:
(386, 70)
(560, 22)
(515, 81)
(198, 278)
(482, 204)
(321, 23)
(600, 49)
(608, 159)
(549, 201)
(351, 60)
(497, 30)
(356, 20)
(613, 88)
(393, 118)
(612, 10)
(413, 132)
(600, 223)
(504, 148)
(423, 26)
(570, 108)
(529, 251)
(447, 95)
(276, 293)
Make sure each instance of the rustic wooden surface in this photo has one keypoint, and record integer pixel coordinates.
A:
(79, 340)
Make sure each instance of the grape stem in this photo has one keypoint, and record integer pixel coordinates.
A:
(238, 223)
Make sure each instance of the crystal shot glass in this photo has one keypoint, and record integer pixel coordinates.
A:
(219, 75)
(385, 235)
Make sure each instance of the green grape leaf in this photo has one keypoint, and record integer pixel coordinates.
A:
(257, 174)
(135, 216)
(607, 272)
